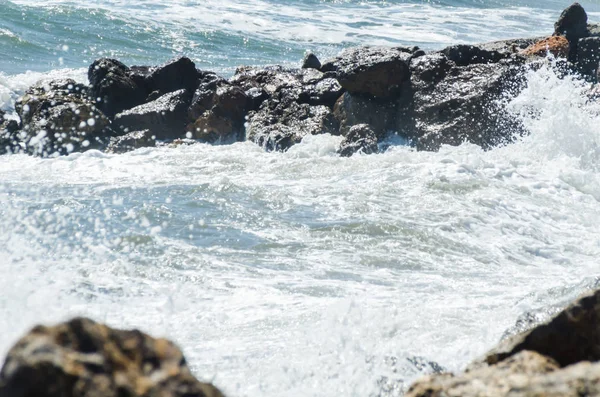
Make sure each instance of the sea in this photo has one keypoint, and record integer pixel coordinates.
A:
(299, 273)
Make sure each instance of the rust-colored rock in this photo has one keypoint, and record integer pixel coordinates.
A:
(85, 359)
(556, 45)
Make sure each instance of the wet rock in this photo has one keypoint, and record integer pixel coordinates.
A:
(311, 61)
(572, 23)
(463, 55)
(86, 359)
(174, 75)
(594, 29)
(131, 141)
(588, 57)
(360, 139)
(430, 68)
(115, 87)
(269, 79)
(218, 111)
(555, 45)
(278, 124)
(58, 117)
(8, 138)
(375, 71)
(466, 105)
(351, 110)
(570, 337)
(164, 117)
(511, 47)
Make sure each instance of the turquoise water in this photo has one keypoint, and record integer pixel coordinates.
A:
(297, 273)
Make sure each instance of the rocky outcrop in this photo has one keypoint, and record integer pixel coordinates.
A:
(85, 359)
(131, 141)
(164, 117)
(558, 358)
(360, 139)
(58, 117)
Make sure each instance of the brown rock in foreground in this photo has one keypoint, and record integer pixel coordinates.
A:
(556, 45)
(86, 359)
(558, 358)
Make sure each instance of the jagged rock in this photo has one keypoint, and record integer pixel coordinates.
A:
(360, 139)
(218, 111)
(131, 141)
(465, 105)
(164, 117)
(588, 57)
(311, 61)
(558, 358)
(594, 29)
(555, 45)
(464, 54)
(376, 71)
(278, 125)
(351, 110)
(174, 75)
(430, 68)
(269, 78)
(115, 87)
(570, 337)
(510, 47)
(85, 359)
(572, 23)
(58, 117)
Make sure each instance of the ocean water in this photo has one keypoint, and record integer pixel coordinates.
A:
(297, 273)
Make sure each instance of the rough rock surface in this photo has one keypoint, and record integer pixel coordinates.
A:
(172, 76)
(311, 61)
(572, 23)
(375, 71)
(588, 57)
(558, 358)
(360, 139)
(163, 117)
(58, 117)
(86, 359)
(351, 110)
(131, 141)
(8, 140)
(555, 45)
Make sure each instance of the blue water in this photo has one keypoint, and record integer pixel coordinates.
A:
(297, 273)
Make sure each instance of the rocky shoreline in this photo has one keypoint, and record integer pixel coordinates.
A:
(365, 94)
(86, 359)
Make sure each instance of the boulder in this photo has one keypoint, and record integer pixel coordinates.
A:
(172, 76)
(555, 45)
(131, 141)
(311, 61)
(279, 124)
(115, 87)
(351, 110)
(164, 117)
(588, 57)
(375, 71)
(452, 104)
(58, 117)
(218, 110)
(464, 54)
(360, 139)
(572, 23)
(560, 357)
(85, 359)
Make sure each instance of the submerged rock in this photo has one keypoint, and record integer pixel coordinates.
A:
(85, 359)
(58, 117)
(558, 358)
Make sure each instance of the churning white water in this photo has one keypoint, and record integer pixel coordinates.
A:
(303, 273)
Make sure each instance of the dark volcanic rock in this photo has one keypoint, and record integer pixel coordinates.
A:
(218, 111)
(164, 117)
(588, 57)
(115, 87)
(465, 105)
(278, 125)
(352, 110)
(375, 71)
(131, 141)
(58, 117)
(311, 61)
(82, 358)
(174, 75)
(8, 137)
(572, 23)
(360, 139)
(463, 55)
